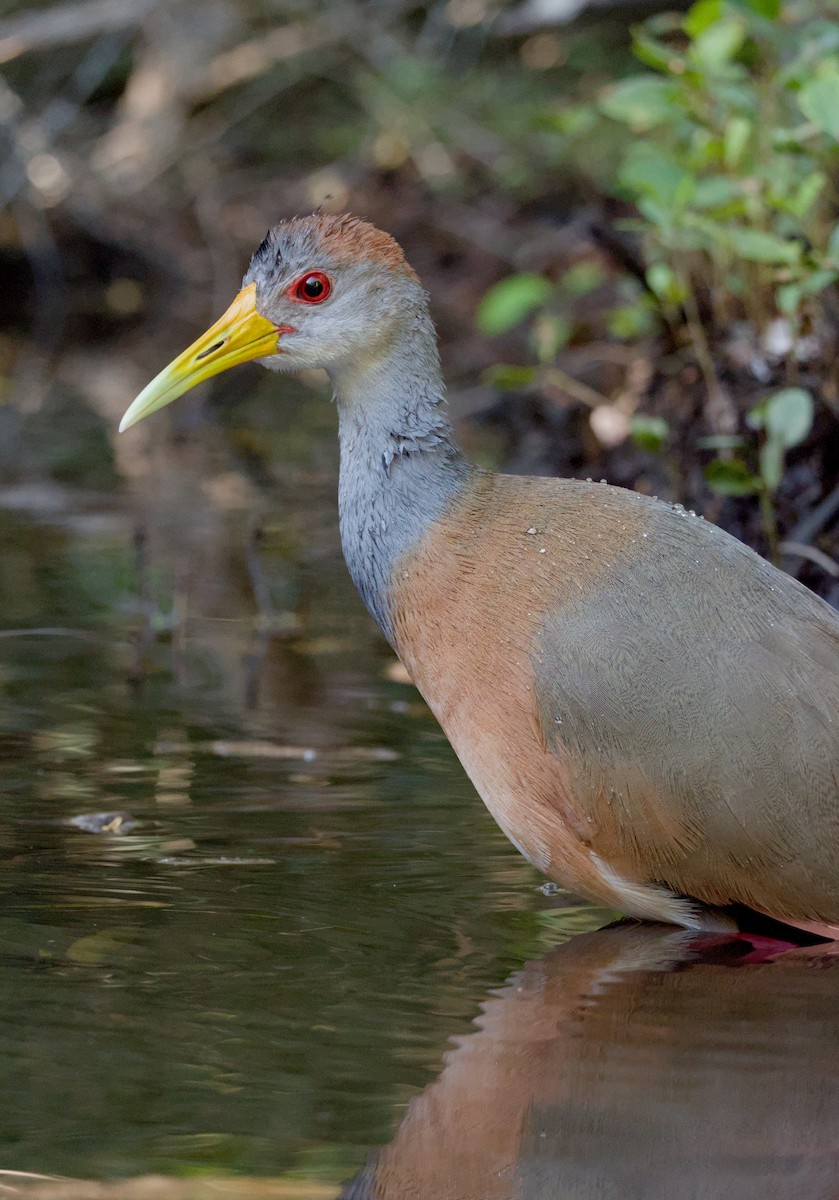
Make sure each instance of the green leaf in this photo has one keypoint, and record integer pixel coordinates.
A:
(714, 192)
(648, 171)
(574, 120)
(510, 301)
(664, 284)
(641, 102)
(819, 101)
(738, 131)
(730, 477)
(788, 416)
(551, 333)
(714, 48)
(771, 9)
(807, 193)
(701, 15)
(656, 54)
(790, 295)
(650, 433)
(510, 378)
(583, 277)
(758, 246)
(629, 321)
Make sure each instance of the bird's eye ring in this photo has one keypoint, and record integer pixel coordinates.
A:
(311, 288)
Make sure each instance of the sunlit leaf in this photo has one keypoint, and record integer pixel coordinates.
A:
(510, 301)
(628, 321)
(819, 101)
(771, 9)
(714, 192)
(641, 102)
(510, 378)
(788, 416)
(650, 433)
(833, 244)
(807, 193)
(758, 246)
(736, 135)
(583, 277)
(730, 477)
(790, 295)
(649, 171)
(716, 46)
(551, 333)
(656, 54)
(664, 284)
(701, 15)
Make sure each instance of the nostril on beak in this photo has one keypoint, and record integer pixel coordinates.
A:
(210, 350)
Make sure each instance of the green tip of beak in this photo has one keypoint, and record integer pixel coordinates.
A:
(162, 389)
(240, 335)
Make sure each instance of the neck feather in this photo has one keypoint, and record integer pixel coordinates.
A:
(400, 468)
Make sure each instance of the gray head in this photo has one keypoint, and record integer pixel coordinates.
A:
(321, 291)
(340, 288)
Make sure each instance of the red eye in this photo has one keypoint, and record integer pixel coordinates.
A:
(311, 288)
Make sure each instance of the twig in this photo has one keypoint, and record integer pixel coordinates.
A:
(86, 635)
(800, 550)
(67, 24)
(815, 520)
(555, 377)
(256, 57)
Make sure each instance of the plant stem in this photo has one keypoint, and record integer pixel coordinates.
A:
(769, 523)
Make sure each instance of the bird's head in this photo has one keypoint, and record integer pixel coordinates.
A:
(321, 291)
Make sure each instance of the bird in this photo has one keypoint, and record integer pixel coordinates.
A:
(647, 707)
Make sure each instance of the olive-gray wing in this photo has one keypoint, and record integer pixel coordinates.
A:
(695, 698)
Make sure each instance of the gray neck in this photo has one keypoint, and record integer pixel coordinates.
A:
(400, 468)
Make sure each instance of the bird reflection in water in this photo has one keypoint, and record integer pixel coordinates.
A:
(635, 1062)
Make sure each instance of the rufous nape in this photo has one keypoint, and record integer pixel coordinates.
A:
(648, 708)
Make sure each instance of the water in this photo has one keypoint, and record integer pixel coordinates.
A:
(248, 897)
(623, 1064)
(293, 898)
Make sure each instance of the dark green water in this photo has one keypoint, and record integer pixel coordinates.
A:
(248, 898)
(258, 973)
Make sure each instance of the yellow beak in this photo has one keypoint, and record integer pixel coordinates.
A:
(237, 337)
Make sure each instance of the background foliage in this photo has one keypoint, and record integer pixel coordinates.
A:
(639, 209)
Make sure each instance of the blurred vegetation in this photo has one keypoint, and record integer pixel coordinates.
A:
(731, 173)
(639, 207)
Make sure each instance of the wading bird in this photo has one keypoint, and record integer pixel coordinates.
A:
(649, 709)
